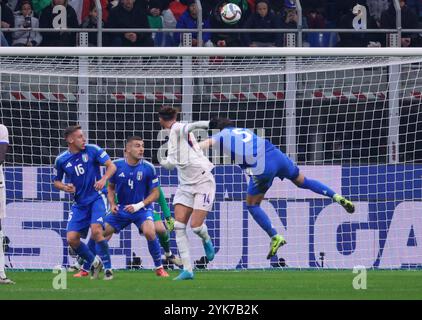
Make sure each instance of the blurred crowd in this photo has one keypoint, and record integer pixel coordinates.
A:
(183, 14)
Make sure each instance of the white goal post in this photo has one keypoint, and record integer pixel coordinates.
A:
(349, 117)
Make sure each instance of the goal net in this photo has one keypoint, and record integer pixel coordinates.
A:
(350, 119)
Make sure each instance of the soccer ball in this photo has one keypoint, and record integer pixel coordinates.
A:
(230, 13)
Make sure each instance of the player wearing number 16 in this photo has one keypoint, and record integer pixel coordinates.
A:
(81, 164)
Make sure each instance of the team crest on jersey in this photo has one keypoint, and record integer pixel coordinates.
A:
(139, 176)
(85, 157)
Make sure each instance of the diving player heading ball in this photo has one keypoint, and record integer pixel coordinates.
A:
(263, 162)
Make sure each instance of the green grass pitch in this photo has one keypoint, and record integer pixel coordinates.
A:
(236, 285)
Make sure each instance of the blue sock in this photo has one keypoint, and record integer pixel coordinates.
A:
(101, 248)
(84, 252)
(91, 246)
(155, 251)
(262, 219)
(317, 187)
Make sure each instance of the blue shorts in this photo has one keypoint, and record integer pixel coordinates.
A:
(277, 164)
(122, 219)
(81, 217)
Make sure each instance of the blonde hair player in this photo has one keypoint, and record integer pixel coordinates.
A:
(195, 194)
(4, 144)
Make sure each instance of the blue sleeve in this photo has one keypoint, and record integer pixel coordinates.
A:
(154, 182)
(100, 155)
(59, 171)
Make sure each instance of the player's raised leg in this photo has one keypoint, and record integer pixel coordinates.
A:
(253, 203)
(318, 187)
(200, 228)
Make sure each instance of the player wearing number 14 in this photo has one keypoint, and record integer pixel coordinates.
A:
(81, 165)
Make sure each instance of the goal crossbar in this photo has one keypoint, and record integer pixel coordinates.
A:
(189, 51)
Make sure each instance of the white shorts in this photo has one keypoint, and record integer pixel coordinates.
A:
(2, 194)
(198, 196)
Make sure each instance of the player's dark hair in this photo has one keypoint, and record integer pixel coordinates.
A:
(133, 138)
(69, 130)
(167, 113)
(220, 123)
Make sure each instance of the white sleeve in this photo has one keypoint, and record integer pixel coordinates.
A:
(166, 163)
(197, 125)
(4, 134)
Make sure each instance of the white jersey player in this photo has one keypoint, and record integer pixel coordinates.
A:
(4, 143)
(196, 191)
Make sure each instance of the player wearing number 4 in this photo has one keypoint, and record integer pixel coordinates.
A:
(136, 185)
(196, 191)
(263, 162)
(81, 165)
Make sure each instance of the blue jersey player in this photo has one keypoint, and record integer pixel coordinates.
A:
(263, 162)
(136, 186)
(81, 164)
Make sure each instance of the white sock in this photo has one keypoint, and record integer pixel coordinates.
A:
(183, 245)
(168, 254)
(202, 232)
(2, 273)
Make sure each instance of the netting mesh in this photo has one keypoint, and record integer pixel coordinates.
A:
(201, 67)
(355, 126)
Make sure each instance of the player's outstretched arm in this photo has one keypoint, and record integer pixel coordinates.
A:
(153, 196)
(197, 125)
(206, 144)
(111, 169)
